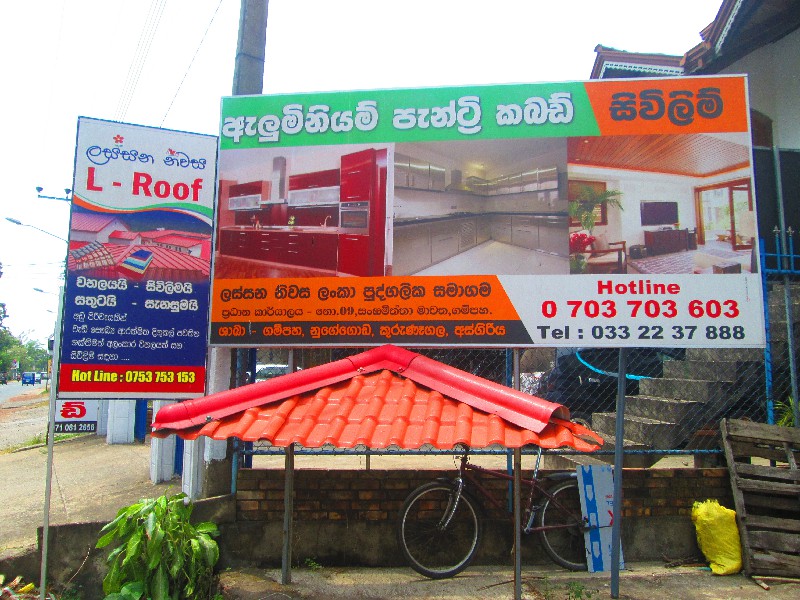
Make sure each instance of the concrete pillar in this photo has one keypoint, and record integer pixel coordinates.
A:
(202, 453)
(162, 452)
(192, 482)
(121, 417)
(102, 417)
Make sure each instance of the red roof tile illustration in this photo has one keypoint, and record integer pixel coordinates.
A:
(383, 398)
(179, 240)
(157, 234)
(91, 222)
(165, 264)
(123, 235)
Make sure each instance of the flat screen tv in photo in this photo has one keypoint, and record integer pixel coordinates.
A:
(135, 318)
(659, 213)
(486, 216)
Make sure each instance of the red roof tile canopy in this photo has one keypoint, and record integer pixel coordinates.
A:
(383, 398)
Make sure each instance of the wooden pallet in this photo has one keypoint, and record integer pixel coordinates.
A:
(762, 462)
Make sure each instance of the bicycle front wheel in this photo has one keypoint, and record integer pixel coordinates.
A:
(433, 544)
(560, 526)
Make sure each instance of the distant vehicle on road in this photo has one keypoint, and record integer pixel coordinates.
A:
(3, 379)
(37, 377)
(29, 378)
(268, 371)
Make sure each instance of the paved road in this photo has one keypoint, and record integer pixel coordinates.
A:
(23, 414)
(91, 480)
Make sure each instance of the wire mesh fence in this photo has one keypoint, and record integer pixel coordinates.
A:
(675, 397)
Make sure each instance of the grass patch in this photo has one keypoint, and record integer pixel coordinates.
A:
(40, 439)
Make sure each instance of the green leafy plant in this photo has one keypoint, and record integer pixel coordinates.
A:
(577, 591)
(159, 553)
(313, 564)
(785, 412)
(583, 208)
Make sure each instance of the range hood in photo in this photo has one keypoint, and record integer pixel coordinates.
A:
(457, 182)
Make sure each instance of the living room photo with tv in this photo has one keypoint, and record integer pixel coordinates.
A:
(683, 205)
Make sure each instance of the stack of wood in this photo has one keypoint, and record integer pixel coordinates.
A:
(762, 462)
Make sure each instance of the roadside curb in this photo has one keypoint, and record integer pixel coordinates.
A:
(44, 444)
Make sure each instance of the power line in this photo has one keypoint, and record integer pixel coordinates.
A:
(191, 62)
(140, 57)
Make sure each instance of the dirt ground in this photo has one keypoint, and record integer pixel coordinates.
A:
(645, 581)
(92, 480)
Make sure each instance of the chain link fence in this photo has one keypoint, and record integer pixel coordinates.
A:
(675, 397)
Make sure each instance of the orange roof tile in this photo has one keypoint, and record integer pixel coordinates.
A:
(383, 398)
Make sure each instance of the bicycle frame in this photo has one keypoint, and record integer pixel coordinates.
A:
(537, 492)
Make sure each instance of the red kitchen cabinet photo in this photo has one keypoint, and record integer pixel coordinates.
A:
(316, 179)
(355, 257)
(359, 176)
(363, 180)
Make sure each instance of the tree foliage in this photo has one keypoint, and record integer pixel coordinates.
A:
(30, 355)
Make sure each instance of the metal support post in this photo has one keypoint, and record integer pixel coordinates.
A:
(619, 442)
(517, 524)
(288, 510)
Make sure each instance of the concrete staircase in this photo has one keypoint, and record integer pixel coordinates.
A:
(691, 394)
(682, 408)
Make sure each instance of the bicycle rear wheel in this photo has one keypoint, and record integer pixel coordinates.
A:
(432, 545)
(562, 526)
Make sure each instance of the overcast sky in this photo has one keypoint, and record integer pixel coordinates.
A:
(167, 63)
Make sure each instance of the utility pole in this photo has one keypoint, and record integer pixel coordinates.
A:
(248, 73)
(248, 78)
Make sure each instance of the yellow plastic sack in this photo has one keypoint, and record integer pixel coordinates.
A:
(718, 536)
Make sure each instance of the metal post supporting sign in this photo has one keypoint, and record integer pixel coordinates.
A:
(619, 438)
(517, 524)
(51, 434)
(288, 510)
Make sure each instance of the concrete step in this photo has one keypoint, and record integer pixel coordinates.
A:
(685, 389)
(727, 371)
(702, 370)
(629, 461)
(569, 462)
(779, 333)
(670, 410)
(777, 309)
(715, 354)
(650, 432)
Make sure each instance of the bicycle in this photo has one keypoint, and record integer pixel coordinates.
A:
(440, 524)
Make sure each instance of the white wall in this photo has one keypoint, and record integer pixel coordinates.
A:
(775, 86)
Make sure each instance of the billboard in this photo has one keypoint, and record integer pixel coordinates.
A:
(557, 214)
(135, 313)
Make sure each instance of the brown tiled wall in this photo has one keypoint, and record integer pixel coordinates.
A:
(378, 495)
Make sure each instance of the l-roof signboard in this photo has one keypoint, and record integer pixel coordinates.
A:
(135, 313)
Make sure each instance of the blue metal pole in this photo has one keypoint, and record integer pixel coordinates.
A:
(234, 465)
(177, 464)
(140, 421)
